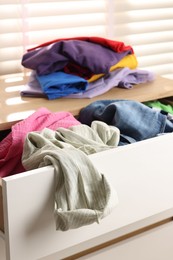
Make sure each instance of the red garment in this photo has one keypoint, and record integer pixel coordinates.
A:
(111, 44)
(11, 147)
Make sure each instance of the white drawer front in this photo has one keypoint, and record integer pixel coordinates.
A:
(142, 175)
(155, 244)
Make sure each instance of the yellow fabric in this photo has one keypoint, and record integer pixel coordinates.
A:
(129, 61)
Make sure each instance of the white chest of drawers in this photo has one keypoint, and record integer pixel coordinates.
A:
(142, 175)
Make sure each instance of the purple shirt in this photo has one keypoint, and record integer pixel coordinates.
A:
(55, 57)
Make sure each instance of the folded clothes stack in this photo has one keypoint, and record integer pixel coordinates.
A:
(81, 67)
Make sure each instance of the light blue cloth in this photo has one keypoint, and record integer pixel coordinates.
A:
(135, 120)
(60, 84)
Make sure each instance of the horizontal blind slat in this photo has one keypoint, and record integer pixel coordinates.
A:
(13, 53)
(15, 11)
(143, 27)
(155, 48)
(11, 39)
(158, 59)
(66, 22)
(142, 15)
(160, 69)
(10, 67)
(36, 38)
(127, 5)
(63, 8)
(10, 2)
(147, 38)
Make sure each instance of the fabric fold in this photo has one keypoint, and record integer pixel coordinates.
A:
(11, 147)
(82, 194)
(129, 61)
(60, 56)
(60, 84)
(122, 77)
(135, 120)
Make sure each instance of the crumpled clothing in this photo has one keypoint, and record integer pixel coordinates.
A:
(56, 57)
(82, 194)
(99, 137)
(135, 120)
(11, 147)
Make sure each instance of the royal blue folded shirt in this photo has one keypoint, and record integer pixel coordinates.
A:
(60, 84)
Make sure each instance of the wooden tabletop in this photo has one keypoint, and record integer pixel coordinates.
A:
(14, 108)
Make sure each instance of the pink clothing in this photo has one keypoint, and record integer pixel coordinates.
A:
(11, 147)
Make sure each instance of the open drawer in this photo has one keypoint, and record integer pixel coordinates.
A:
(142, 176)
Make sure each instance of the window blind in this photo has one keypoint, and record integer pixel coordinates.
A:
(145, 25)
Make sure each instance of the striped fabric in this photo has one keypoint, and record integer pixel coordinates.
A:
(82, 194)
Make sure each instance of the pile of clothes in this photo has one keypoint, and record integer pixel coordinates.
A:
(81, 67)
(83, 195)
